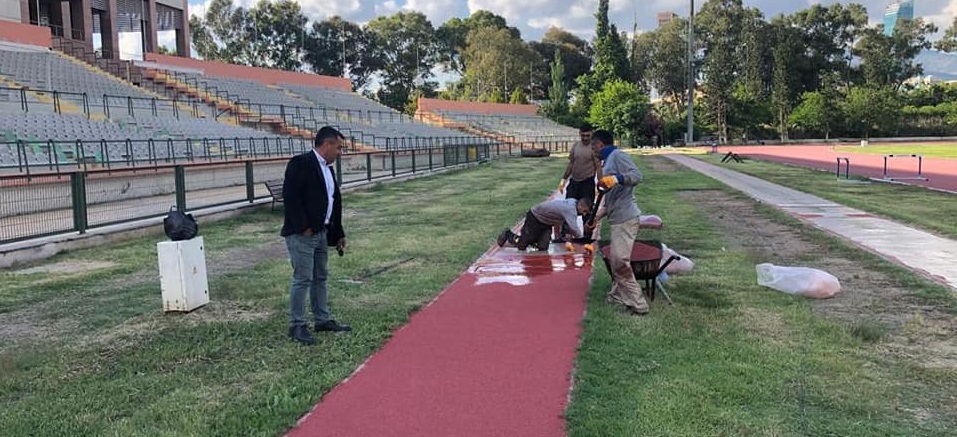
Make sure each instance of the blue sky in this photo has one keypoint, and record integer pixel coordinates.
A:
(533, 17)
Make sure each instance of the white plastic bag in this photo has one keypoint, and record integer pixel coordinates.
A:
(681, 265)
(801, 281)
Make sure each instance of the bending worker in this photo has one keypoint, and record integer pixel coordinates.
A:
(539, 221)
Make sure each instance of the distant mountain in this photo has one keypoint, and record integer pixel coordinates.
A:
(940, 65)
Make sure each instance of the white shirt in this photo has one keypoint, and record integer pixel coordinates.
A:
(330, 185)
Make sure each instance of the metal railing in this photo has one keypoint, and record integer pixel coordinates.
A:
(77, 199)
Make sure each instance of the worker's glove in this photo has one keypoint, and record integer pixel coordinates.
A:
(590, 248)
(561, 186)
(609, 181)
(569, 246)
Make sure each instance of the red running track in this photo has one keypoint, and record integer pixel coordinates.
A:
(941, 172)
(491, 356)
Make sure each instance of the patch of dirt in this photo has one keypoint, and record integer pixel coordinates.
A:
(241, 258)
(659, 163)
(216, 311)
(917, 331)
(30, 325)
(27, 324)
(65, 267)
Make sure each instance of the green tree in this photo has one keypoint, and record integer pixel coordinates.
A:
(331, 42)
(278, 34)
(558, 93)
(270, 34)
(452, 36)
(611, 60)
(948, 43)
(496, 96)
(754, 54)
(668, 69)
(785, 84)
(889, 60)
(497, 60)
(869, 109)
(518, 97)
(643, 57)
(404, 44)
(609, 46)
(828, 34)
(575, 53)
(620, 107)
(720, 24)
(221, 34)
(815, 114)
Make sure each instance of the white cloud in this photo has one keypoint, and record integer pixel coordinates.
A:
(534, 17)
(387, 8)
(438, 11)
(199, 9)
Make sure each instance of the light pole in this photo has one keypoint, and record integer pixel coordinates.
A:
(690, 134)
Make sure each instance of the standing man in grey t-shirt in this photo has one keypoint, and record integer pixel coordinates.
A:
(578, 182)
(621, 210)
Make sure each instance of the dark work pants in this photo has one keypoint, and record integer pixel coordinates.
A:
(534, 233)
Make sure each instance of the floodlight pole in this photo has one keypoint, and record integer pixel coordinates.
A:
(690, 134)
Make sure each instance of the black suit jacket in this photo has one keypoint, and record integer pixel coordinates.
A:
(305, 200)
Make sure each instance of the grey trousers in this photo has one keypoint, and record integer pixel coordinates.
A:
(310, 258)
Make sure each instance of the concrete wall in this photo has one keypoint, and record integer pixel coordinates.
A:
(127, 186)
(9, 11)
(262, 75)
(24, 33)
(103, 188)
(432, 105)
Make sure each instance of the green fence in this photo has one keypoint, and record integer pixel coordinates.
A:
(74, 199)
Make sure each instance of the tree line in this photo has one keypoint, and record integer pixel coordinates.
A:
(819, 72)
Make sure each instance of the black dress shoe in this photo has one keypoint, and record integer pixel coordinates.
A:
(332, 326)
(301, 334)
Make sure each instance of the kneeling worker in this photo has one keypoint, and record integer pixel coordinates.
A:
(539, 221)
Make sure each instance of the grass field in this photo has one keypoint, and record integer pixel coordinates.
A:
(927, 150)
(86, 350)
(929, 210)
(733, 358)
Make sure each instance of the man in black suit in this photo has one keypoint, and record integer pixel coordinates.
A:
(313, 223)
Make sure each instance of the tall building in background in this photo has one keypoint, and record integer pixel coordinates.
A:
(117, 29)
(664, 17)
(901, 10)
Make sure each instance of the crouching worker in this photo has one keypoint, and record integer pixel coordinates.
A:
(539, 221)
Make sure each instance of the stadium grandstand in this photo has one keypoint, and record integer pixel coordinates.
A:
(67, 95)
(520, 123)
(78, 126)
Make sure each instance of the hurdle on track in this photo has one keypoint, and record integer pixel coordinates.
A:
(920, 168)
(847, 167)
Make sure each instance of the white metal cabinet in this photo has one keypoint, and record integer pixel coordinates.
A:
(182, 266)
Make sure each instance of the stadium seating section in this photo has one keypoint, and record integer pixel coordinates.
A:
(58, 109)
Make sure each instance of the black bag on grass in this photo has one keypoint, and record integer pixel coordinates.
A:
(179, 226)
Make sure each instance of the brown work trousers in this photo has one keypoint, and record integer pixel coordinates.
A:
(624, 287)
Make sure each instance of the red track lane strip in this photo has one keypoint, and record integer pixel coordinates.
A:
(491, 356)
(941, 172)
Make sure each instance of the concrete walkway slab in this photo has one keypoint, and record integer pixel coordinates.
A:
(926, 253)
